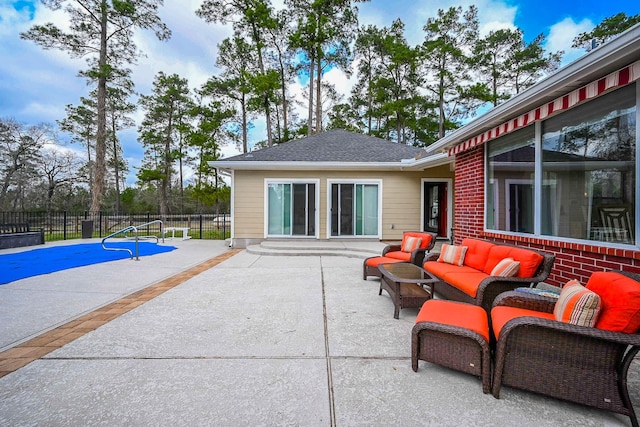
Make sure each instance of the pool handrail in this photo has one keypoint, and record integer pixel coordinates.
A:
(137, 237)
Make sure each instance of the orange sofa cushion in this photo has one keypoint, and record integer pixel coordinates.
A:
(426, 238)
(464, 278)
(620, 298)
(477, 253)
(399, 255)
(466, 281)
(454, 313)
(376, 261)
(529, 260)
(441, 269)
(500, 315)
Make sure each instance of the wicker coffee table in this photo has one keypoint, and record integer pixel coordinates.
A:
(407, 284)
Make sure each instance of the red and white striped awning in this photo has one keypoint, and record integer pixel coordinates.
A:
(592, 90)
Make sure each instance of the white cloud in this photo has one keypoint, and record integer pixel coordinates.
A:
(561, 37)
(339, 79)
(229, 150)
(38, 83)
(190, 52)
(494, 16)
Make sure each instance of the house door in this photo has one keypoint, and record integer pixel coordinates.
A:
(520, 206)
(435, 208)
(291, 209)
(354, 209)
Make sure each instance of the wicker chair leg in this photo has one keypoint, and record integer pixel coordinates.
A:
(624, 391)
(435, 343)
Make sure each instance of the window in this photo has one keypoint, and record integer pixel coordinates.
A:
(586, 180)
(510, 177)
(354, 209)
(588, 158)
(291, 209)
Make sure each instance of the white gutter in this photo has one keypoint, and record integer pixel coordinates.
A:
(405, 164)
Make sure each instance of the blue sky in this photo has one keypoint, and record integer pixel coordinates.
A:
(36, 85)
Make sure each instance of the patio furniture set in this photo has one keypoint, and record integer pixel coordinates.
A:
(577, 345)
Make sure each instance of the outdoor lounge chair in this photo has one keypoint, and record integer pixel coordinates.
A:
(403, 252)
(582, 364)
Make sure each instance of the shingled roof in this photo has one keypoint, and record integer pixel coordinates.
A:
(333, 146)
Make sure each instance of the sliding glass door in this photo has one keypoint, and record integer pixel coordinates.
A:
(291, 209)
(354, 209)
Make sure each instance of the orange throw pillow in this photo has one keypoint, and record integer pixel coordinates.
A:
(410, 243)
(577, 305)
(452, 254)
(508, 267)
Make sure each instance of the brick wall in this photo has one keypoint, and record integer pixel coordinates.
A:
(573, 260)
(469, 194)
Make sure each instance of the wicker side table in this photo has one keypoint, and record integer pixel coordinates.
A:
(407, 284)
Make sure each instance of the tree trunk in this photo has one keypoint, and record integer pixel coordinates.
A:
(441, 108)
(311, 79)
(245, 146)
(369, 104)
(318, 92)
(166, 180)
(283, 83)
(91, 168)
(116, 164)
(266, 102)
(181, 176)
(101, 135)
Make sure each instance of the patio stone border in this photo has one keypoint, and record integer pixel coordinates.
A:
(35, 348)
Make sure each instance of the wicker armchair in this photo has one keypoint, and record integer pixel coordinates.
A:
(580, 364)
(394, 253)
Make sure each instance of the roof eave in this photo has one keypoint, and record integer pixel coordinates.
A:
(409, 165)
(428, 162)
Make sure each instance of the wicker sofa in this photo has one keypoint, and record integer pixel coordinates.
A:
(473, 282)
(395, 253)
(582, 364)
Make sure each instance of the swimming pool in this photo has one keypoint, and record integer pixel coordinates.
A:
(34, 262)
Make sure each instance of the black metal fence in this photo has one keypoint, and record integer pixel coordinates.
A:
(75, 225)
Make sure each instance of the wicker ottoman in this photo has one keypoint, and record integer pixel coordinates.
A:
(455, 335)
(370, 265)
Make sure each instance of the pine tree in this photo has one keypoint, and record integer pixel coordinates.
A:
(102, 32)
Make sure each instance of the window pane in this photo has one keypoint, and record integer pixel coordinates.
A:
(589, 170)
(510, 181)
(279, 209)
(299, 209)
(311, 209)
(346, 209)
(335, 209)
(286, 210)
(359, 210)
(370, 204)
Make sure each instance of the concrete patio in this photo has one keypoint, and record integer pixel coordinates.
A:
(255, 340)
